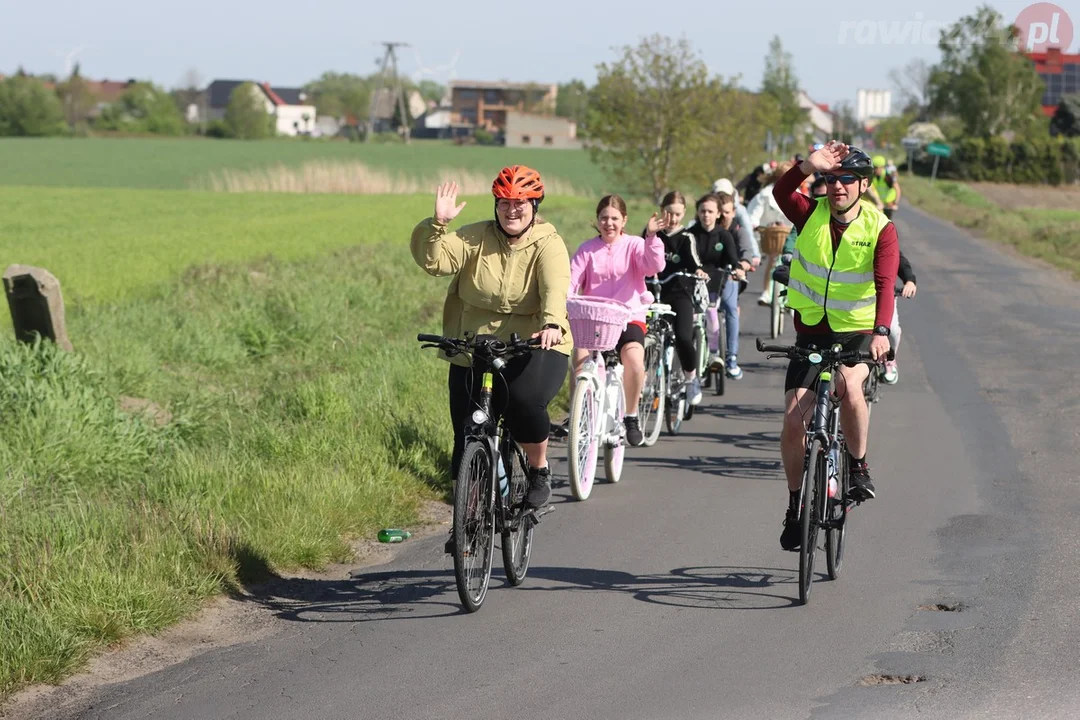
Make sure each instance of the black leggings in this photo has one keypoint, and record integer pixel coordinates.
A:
(683, 306)
(533, 381)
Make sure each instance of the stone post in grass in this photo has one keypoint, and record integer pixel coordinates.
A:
(37, 307)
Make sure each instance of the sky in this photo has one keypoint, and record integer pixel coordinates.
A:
(837, 47)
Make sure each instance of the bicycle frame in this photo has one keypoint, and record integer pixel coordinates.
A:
(600, 369)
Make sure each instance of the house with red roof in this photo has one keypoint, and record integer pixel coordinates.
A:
(290, 106)
(1061, 74)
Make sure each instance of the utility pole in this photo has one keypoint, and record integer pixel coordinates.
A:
(389, 62)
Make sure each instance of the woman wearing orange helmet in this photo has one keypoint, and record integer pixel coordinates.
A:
(510, 275)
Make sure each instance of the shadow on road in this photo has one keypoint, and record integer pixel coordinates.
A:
(708, 588)
(744, 412)
(420, 594)
(732, 467)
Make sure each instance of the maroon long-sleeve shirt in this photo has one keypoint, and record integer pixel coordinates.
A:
(798, 208)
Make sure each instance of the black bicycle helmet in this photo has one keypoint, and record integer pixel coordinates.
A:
(858, 163)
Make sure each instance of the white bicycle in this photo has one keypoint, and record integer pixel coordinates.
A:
(598, 403)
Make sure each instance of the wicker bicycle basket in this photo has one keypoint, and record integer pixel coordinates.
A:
(773, 238)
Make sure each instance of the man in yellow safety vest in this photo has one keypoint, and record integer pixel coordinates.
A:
(886, 185)
(841, 289)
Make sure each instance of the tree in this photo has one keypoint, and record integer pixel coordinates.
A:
(188, 92)
(246, 117)
(891, 130)
(28, 108)
(571, 101)
(76, 98)
(644, 111)
(144, 108)
(1066, 120)
(341, 95)
(912, 84)
(780, 83)
(431, 91)
(982, 80)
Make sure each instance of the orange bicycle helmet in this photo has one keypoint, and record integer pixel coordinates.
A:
(518, 183)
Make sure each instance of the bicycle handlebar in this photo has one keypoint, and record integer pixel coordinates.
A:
(828, 356)
(487, 346)
(728, 269)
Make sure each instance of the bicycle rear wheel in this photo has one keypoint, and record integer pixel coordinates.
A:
(474, 526)
(837, 507)
(654, 392)
(518, 532)
(676, 397)
(582, 442)
(813, 507)
(613, 418)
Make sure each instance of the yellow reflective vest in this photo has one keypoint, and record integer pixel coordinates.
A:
(839, 284)
(884, 191)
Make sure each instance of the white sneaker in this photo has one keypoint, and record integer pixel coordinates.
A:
(765, 298)
(892, 373)
(693, 391)
(715, 361)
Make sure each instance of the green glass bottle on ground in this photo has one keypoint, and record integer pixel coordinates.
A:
(393, 535)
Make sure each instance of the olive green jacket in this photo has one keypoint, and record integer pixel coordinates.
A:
(498, 288)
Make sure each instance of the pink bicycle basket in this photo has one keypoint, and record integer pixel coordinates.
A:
(596, 322)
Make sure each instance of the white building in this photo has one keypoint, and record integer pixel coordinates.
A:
(872, 104)
(293, 114)
(819, 117)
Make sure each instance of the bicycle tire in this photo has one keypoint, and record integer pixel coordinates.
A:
(871, 389)
(835, 536)
(517, 543)
(581, 442)
(474, 526)
(614, 453)
(676, 403)
(721, 374)
(776, 314)
(813, 494)
(653, 392)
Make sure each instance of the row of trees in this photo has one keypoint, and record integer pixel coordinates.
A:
(44, 105)
(982, 88)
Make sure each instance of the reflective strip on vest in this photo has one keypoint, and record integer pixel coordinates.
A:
(822, 272)
(834, 304)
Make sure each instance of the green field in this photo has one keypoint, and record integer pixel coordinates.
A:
(147, 163)
(246, 394)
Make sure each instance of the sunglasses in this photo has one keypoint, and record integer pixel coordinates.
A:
(845, 179)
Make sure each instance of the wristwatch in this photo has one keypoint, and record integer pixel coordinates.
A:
(881, 330)
(551, 326)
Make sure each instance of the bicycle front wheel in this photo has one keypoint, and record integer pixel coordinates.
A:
(776, 312)
(583, 441)
(813, 508)
(615, 443)
(654, 392)
(720, 375)
(518, 532)
(474, 525)
(676, 397)
(837, 509)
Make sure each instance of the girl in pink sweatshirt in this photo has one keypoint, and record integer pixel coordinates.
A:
(614, 265)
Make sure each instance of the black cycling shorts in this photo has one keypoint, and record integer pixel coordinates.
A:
(801, 374)
(634, 332)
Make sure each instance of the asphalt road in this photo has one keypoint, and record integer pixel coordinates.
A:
(668, 596)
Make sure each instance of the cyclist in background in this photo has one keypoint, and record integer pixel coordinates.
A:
(906, 276)
(886, 185)
(743, 230)
(510, 275)
(681, 255)
(764, 212)
(841, 290)
(717, 248)
(614, 265)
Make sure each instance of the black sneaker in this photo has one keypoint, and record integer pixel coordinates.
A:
(633, 431)
(862, 486)
(559, 432)
(539, 487)
(791, 537)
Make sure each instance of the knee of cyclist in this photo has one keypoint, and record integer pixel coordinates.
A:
(794, 426)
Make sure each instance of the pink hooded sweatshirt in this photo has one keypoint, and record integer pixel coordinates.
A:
(617, 270)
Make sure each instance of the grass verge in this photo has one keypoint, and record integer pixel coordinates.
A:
(218, 424)
(1050, 235)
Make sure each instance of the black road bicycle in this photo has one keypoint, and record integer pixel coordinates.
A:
(825, 500)
(483, 504)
